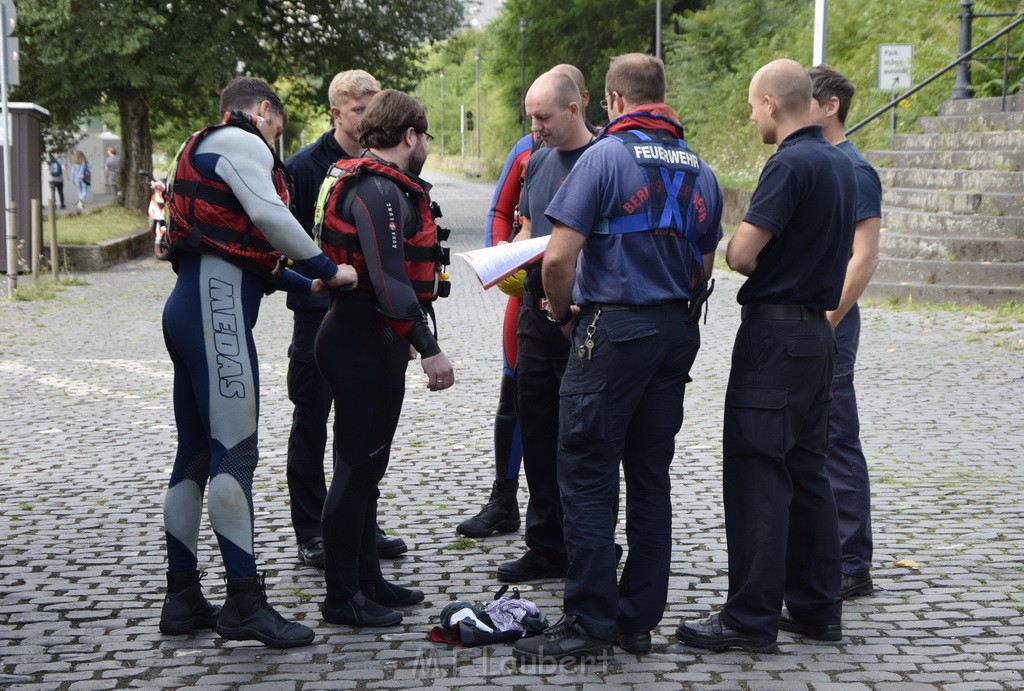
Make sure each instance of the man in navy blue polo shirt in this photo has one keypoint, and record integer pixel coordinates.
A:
(780, 515)
(642, 214)
(847, 467)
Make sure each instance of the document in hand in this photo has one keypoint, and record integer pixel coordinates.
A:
(491, 264)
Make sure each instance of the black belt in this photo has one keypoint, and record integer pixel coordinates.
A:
(615, 307)
(761, 310)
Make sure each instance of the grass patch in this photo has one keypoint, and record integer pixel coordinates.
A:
(463, 543)
(29, 290)
(93, 226)
(1008, 311)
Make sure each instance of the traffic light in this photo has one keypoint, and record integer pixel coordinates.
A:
(10, 47)
(469, 121)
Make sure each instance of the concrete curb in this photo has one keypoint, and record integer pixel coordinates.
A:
(104, 254)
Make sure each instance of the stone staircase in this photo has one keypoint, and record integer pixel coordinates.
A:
(953, 207)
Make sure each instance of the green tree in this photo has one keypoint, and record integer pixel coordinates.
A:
(584, 33)
(167, 61)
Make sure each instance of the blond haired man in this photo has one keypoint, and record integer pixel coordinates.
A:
(348, 95)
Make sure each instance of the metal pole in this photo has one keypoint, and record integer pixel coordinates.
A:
(479, 119)
(962, 87)
(522, 76)
(12, 235)
(657, 29)
(442, 113)
(820, 31)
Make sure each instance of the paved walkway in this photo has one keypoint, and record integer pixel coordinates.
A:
(87, 439)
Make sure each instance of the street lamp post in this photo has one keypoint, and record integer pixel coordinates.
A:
(479, 115)
(657, 29)
(820, 32)
(522, 75)
(441, 72)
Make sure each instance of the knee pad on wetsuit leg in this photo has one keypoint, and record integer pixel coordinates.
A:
(230, 506)
(183, 508)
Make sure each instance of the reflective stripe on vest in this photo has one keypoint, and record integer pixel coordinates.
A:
(672, 172)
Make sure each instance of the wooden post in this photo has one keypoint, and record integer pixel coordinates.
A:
(54, 265)
(37, 238)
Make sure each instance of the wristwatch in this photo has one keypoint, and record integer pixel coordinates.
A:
(561, 322)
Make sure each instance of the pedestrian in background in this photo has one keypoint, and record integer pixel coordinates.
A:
(58, 172)
(112, 170)
(81, 176)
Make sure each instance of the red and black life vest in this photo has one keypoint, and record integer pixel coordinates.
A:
(425, 258)
(205, 213)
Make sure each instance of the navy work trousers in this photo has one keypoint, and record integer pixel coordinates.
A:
(307, 441)
(780, 515)
(543, 351)
(847, 467)
(625, 403)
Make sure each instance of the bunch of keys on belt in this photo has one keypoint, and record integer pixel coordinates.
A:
(586, 351)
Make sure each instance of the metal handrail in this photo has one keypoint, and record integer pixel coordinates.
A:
(963, 58)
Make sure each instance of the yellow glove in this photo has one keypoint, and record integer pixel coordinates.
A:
(513, 284)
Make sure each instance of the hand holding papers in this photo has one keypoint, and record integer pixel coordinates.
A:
(491, 264)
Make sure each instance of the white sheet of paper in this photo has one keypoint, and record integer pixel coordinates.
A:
(491, 264)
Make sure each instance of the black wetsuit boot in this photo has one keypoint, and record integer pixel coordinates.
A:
(185, 608)
(246, 616)
(500, 514)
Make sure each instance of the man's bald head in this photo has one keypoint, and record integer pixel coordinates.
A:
(556, 88)
(555, 109)
(576, 75)
(787, 83)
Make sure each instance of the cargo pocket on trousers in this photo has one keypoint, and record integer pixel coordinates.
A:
(755, 421)
(581, 415)
(811, 350)
(620, 332)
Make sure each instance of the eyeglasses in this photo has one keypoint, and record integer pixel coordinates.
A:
(430, 137)
(607, 100)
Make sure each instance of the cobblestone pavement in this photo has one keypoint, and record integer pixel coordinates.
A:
(86, 445)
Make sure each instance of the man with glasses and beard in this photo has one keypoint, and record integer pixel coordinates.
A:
(375, 214)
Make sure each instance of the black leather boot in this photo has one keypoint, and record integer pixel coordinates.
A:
(185, 608)
(499, 515)
(359, 611)
(246, 616)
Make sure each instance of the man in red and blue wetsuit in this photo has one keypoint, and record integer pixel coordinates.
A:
(501, 512)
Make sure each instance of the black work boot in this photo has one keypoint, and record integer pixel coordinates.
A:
(246, 616)
(499, 515)
(185, 608)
